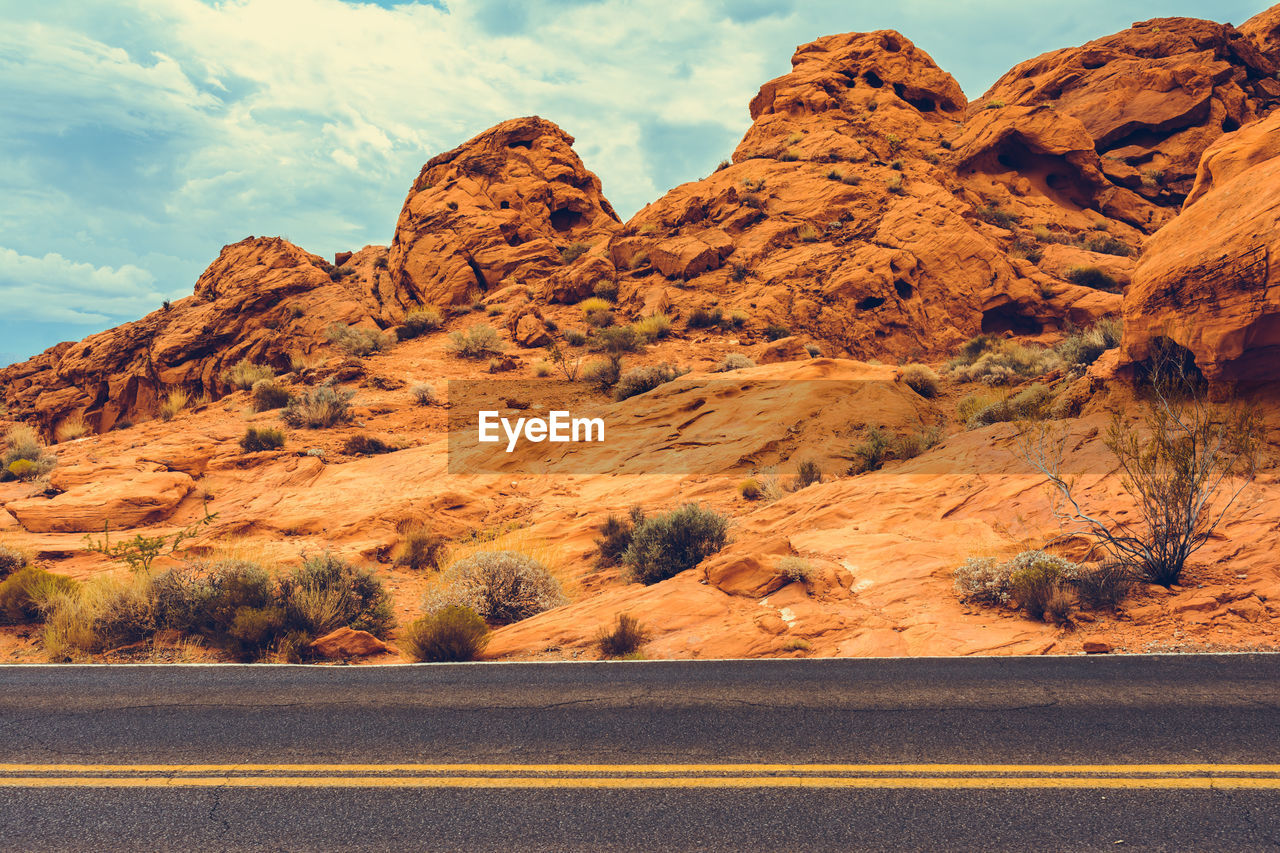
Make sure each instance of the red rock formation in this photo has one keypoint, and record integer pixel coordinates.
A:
(513, 204)
(1264, 30)
(1208, 280)
(1152, 97)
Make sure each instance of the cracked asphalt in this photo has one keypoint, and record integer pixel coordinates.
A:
(1210, 709)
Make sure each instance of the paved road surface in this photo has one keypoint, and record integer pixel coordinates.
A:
(1171, 753)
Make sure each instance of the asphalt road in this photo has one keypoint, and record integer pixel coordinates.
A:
(1169, 753)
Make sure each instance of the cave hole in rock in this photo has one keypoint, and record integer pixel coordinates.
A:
(904, 289)
(1007, 318)
(866, 303)
(564, 219)
(850, 78)
(1229, 125)
(504, 205)
(873, 79)
(520, 143)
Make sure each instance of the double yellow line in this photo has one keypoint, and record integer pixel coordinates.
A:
(642, 776)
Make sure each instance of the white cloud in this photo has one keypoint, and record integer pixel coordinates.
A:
(55, 288)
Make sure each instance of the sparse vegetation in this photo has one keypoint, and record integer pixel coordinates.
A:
(361, 444)
(327, 592)
(796, 569)
(603, 373)
(1108, 245)
(996, 362)
(573, 251)
(921, 379)
(270, 394)
(257, 439)
(421, 548)
(423, 394)
(245, 373)
(665, 545)
(872, 452)
(322, 407)
(992, 214)
(655, 327)
(733, 361)
(615, 536)
(808, 472)
(776, 331)
(705, 318)
(452, 634)
(480, 341)
(1031, 403)
(575, 337)
(357, 340)
(421, 321)
(501, 586)
(1082, 348)
(11, 560)
(71, 429)
(606, 289)
(24, 456)
(174, 402)
(624, 638)
(23, 592)
(643, 379)
(750, 489)
(1094, 278)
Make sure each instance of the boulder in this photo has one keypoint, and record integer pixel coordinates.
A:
(124, 502)
(346, 642)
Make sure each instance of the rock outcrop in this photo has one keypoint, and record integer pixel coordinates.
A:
(1152, 97)
(514, 205)
(1208, 280)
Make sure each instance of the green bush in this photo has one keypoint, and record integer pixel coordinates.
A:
(1080, 349)
(501, 586)
(750, 489)
(358, 341)
(643, 379)
(1033, 581)
(665, 545)
(365, 445)
(618, 340)
(654, 327)
(420, 321)
(326, 592)
(24, 457)
(1029, 404)
(573, 251)
(270, 394)
(322, 407)
(776, 331)
(606, 289)
(705, 318)
(22, 592)
(1004, 362)
(1107, 245)
(921, 379)
(625, 638)
(615, 536)
(872, 452)
(257, 439)
(480, 341)
(603, 373)
(453, 633)
(245, 373)
(420, 548)
(1104, 585)
(1094, 278)
(254, 630)
(807, 473)
(575, 337)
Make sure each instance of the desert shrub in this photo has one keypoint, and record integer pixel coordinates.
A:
(982, 580)
(420, 321)
(739, 271)
(807, 234)
(921, 379)
(1080, 349)
(705, 318)
(808, 472)
(12, 560)
(1103, 585)
(423, 394)
(254, 630)
(655, 327)
(102, 614)
(1005, 362)
(618, 340)
(624, 638)
(421, 548)
(174, 402)
(615, 536)
(973, 349)
(909, 445)
(71, 429)
(753, 200)
(733, 361)
(542, 368)
(244, 373)
(1093, 277)
(1023, 248)
(270, 394)
(605, 289)
(327, 592)
(501, 586)
(324, 406)
(23, 591)
(453, 633)
(356, 340)
(1107, 245)
(575, 337)
(750, 489)
(257, 439)
(24, 457)
(873, 451)
(1031, 403)
(665, 545)
(573, 251)
(602, 373)
(365, 445)
(813, 350)
(776, 331)
(640, 259)
(796, 569)
(736, 320)
(643, 379)
(993, 215)
(480, 341)
(894, 184)
(971, 404)
(1035, 580)
(592, 305)
(202, 597)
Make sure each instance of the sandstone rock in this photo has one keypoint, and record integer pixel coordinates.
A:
(514, 201)
(1234, 153)
(1206, 281)
(1264, 30)
(346, 642)
(531, 332)
(123, 502)
(1096, 646)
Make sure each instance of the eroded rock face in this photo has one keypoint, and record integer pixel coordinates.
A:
(1208, 280)
(511, 205)
(262, 299)
(1234, 153)
(1264, 30)
(1152, 97)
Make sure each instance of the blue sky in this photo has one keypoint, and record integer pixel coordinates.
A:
(137, 137)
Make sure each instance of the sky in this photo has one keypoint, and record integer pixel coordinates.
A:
(137, 137)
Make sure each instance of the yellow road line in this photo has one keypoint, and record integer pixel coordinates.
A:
(644, 768)
(739, 782)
